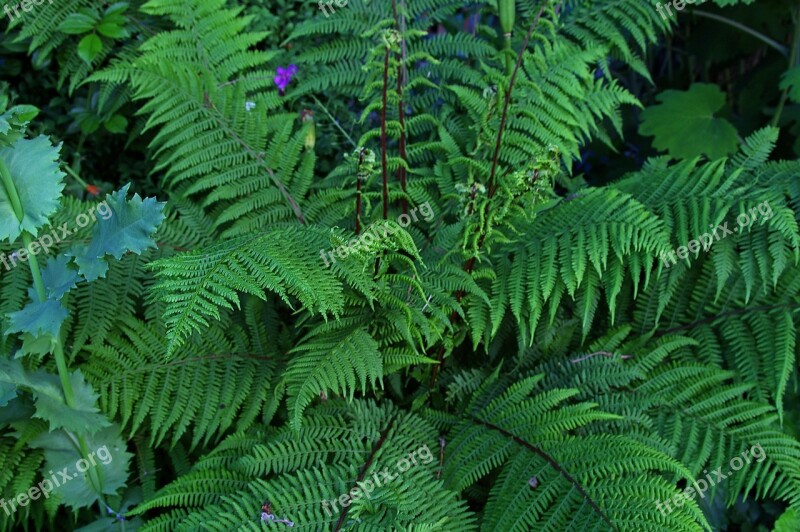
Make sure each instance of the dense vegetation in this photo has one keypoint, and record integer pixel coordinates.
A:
(399, 264)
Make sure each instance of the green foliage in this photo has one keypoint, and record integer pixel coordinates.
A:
(397, 250)
(684, 123)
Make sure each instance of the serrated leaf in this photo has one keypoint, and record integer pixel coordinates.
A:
(38, 318)
(129, 228)
(111, 464)
(58, 277)
(7, 392)
(89, 47)
(33, 166)
(84, 418)
(684, 124)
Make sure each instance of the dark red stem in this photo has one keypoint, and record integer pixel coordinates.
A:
(384, 164)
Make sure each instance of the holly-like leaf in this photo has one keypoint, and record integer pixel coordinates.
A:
(684, 124)
(7, 392)
(59, 278)
(83, 418)
(14, 121)
(89, 47)
(33, 167)
(111, 462)
(38, 318)
(129, 228)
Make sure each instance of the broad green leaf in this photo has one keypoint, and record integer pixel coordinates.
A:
(89, 47)
(111, 463)
(116, 124)
(112, 30)
(684, 124)
(77, 23)
(34, 170)
(115, 10)
(37, 318)
(129, 228)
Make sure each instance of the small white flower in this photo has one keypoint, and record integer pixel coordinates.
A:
(248, 106)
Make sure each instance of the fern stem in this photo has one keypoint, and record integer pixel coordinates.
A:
(400, 21)
(335, 122)
(492, 187)
(555, 465)
(384, 164)
(222, 122)
(364, 469)
(358, 192)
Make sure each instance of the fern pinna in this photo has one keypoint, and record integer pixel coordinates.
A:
(382, 293)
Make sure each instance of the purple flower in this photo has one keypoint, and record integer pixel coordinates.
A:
(284, 76)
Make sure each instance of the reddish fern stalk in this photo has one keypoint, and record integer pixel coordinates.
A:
(384, 164)
(492, 188)
(402, 79)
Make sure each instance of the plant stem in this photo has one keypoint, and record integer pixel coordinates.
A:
(491, 188)
(38, 283)
(384, 165)
(335, 122)
(74, 174)
(738, 25)
(16, 204)
(400, 21)
(792, 63)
